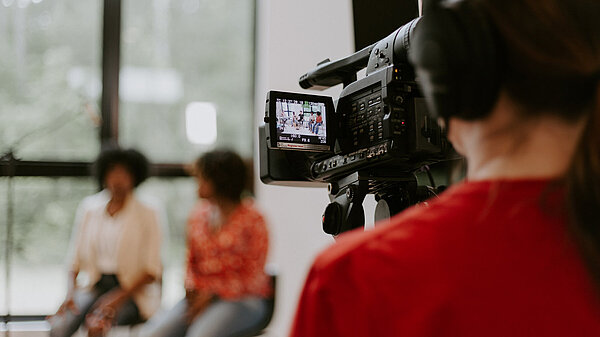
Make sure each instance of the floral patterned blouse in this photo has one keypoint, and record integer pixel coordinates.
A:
(229, 261)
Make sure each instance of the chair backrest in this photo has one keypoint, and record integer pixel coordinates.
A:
(271, 301)
(270, 308)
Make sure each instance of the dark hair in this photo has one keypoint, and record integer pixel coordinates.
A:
(226, 170)
(553, 66)
(134, 161)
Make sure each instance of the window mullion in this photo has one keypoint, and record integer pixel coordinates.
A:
(111, 45)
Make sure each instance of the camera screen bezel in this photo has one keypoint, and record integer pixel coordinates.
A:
(272, 97)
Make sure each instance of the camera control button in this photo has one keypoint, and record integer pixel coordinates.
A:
(350, 193)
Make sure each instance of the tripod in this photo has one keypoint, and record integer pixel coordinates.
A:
(393, 192)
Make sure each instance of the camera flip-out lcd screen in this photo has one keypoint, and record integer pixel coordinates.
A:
(300, 122)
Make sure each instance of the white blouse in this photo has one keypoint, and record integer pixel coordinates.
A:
(110, 230)
(128, 245)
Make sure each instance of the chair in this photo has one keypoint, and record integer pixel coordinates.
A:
(271, 306)
(259, 330)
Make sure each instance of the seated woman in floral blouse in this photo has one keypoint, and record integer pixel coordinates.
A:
(226, 286)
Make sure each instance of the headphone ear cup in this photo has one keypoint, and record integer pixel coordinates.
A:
(455, 54)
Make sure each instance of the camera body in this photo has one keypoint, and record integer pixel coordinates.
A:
(380, 120)
(370, 140)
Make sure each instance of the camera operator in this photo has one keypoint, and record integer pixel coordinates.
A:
(514, 250)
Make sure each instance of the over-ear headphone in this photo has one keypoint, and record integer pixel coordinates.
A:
(456, 55)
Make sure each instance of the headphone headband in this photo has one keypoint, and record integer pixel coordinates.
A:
(455, 53)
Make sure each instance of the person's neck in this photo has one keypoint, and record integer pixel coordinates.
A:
(116, 203)
(226, 207)
(539, 148)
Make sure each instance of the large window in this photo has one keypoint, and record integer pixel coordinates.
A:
(43, 211)
(177, 196)
(50, 71)
(178, 52)
(173, 55)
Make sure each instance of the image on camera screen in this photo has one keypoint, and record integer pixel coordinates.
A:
(301, 124)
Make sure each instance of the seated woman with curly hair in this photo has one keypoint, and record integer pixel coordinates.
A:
(117, 244)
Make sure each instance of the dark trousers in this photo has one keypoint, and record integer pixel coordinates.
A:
(68, 323)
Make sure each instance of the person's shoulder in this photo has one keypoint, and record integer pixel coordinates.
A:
(149, 210)
(199, 211)
(249, 209)
(416, 236)
(356, 248)
(93, 202)
(147, 204)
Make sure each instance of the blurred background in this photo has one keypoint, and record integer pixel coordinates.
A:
(172, 78)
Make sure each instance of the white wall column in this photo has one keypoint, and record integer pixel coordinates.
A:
(292, 37)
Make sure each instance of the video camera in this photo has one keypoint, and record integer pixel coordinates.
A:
(372, 139)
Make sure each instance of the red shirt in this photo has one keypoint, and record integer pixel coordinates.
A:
(487, 259)
(229, 261)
